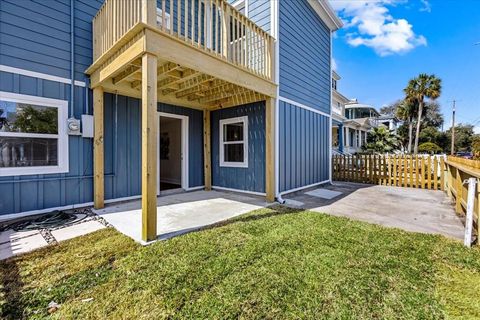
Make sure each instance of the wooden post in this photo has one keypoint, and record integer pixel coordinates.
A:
(270, 149)
(149, 147)
(98, 152)
(207, 150)
(459, 191)
(149, 12)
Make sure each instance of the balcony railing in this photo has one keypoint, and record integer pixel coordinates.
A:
(213, 26)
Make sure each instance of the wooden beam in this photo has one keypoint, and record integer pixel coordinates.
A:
(178, 51)
(124, 88)
(125, 74)
(270, 149)
(240, 99)
(222, 94)
(115, 67)
(98, 151)
(207, 150)
(149, 147)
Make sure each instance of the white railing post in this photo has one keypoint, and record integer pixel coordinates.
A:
(470, 204)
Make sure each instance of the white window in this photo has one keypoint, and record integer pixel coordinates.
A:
(234, 142)
(33, 136)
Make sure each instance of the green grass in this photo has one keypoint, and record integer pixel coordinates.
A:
(266, 264)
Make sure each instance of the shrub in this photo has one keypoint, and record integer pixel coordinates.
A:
(429, 147)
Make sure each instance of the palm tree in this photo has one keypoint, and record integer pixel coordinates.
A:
(419, 88)
(407, 111)
(381, 140)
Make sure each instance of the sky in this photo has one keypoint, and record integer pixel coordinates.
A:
(384, 43)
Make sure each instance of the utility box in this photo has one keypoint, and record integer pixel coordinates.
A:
(87, 126)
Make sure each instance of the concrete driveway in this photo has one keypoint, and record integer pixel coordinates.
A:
(180, 213)
(416, 210)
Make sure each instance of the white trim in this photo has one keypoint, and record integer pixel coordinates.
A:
(195, 188)
(185, 169)
(304, 106)
(24, 214)
(40, 75)
(223, 122)
(326, 13)
(304, 187)
(240, 191)
(62, 136)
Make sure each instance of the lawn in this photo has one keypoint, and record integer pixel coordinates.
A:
(271, 263)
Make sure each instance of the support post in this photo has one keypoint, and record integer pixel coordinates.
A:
(149, 147)
(149, 12)
(207, 150)
(340, 137)
(270, 149)
(98, 153)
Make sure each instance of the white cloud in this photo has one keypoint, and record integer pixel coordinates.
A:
(372, 26)
(426, 6)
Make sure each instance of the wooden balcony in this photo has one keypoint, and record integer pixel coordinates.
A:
(194, 53)
(208, 54)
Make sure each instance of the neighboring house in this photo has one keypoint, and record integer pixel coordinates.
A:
(186, 94)
(361, 118)
(338, 116)
(390, 122)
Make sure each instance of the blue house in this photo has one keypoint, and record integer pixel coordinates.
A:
(102, 101)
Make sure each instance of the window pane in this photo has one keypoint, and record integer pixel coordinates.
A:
(233, 152)
(27, 152)
(233, 132)
(27, 118)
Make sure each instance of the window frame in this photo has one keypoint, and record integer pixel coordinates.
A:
(223, 122)
(61, 136)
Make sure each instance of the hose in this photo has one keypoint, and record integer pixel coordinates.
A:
(52, 220)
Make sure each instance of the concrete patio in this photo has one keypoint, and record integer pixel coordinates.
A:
(180, 213)
(416, 210)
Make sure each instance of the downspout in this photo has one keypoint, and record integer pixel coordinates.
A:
(72, 56)
(275, 13)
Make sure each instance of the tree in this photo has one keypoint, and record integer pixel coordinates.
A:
(476, 146)
(381, 140)
(463, 137)
(3, 119)
(419, 88)
(34, 120)
(406, 111)
(390, 110)
(429, 147)
(433, 117)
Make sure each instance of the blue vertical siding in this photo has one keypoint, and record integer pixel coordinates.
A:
(33, 192)
(122, 151)
(304, 55)
(259, 12)
(304, 157)
(253, 177)
(35, 35)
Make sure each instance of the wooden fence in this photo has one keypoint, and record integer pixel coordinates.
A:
(391, 170)
(426, 172)
(459, 170)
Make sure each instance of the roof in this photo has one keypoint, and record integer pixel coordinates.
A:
(335, 75)
(325, 11)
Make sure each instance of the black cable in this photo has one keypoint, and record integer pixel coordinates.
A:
(52, 220)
